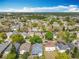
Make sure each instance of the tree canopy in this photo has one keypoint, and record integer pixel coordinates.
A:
(35, 39)
(17, 38)
(67, 36)
(49, 35)
(75, 53)
(12, 54)
(3, 36)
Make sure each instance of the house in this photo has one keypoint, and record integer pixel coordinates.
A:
(30, 33)
(71, 45)
(62, 47)
(37, 49)
(50, 45)
(34, 29)
(55, 24)
(25, 47)
(8, 49)
(4, 47)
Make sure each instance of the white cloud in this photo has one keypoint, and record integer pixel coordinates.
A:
(60, 8)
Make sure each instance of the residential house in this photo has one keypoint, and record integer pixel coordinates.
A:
(4, 47)
(50, 45)
(8, 49)
(61, 47)
(25, 47)
(37, 49)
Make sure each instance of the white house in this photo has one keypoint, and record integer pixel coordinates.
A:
(50, 46)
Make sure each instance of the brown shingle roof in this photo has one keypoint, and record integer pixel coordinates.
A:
(25, 46)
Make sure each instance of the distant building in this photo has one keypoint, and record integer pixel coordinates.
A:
(8, 49)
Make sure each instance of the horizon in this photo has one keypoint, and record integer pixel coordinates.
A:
(39, 6)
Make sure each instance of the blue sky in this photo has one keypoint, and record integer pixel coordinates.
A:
(63, 5)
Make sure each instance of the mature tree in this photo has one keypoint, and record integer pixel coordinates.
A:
(49, 35)
(75, 53)
(73, 36)
(72, 22)
(17, 38)
(12, 54)
(35, 39)
(62, 56)
(67, 19)
(67, 36)
(25, 55)
(34, 24)
(3, 36)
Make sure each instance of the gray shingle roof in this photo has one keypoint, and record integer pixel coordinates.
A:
(62, 46)
(3, 46)
(9, 48)
(36, 49)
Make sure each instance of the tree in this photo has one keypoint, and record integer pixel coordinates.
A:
(67, 19)
(62, 56)
(49, 35)
(35, 39)
(73, 36)
(34, 24)
(67, 36)
(17, 38)
(3, 36)
(25, 55)
(75, 53)
(12, 54)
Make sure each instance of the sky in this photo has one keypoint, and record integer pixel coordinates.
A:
(39, 5)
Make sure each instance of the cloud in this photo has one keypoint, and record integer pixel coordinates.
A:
(60, 8)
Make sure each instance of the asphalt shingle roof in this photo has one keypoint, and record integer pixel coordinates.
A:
(36, 49)
(62, 46)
